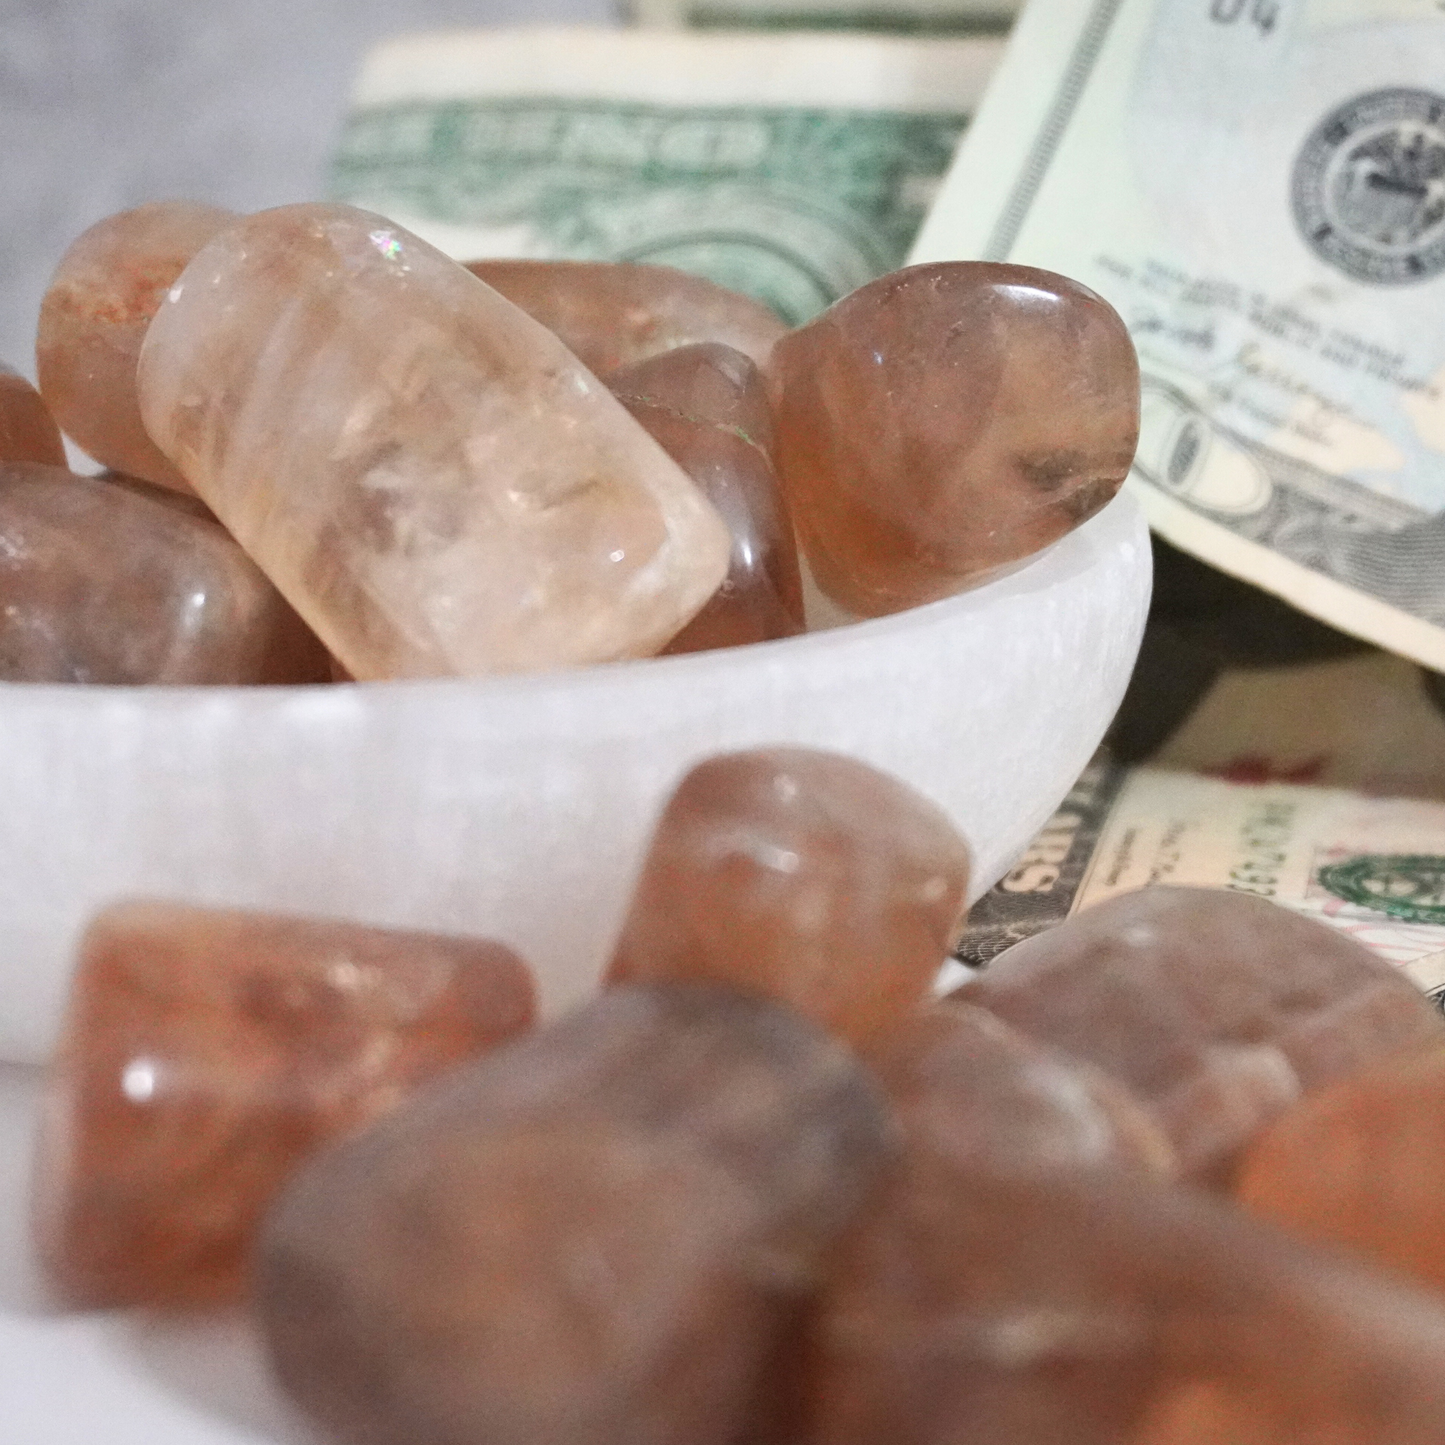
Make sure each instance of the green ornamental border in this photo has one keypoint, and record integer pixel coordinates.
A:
(1407, 886)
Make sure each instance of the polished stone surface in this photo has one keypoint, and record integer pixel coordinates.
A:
(1217, 1009)
(707, 407)
(208, 1052)
(110, 582)
(604, 1233)
(1361, 1165)
(612, 314)
(975, 1099)
(947, 421)
(27, 430)
(428, 475)
(93, 320)
(802, 876)
(1084, 1307)
(969, 1088)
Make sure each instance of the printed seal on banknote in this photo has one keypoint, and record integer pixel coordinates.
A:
(1369, 187)
(1409, 886)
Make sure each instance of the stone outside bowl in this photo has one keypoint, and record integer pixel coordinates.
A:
(519, 808)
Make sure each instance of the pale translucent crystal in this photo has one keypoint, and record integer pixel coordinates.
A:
(430, 477)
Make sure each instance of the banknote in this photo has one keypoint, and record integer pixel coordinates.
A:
(932, 17)
(1365, 723)
(1373, 868)
(1259, 187)
(794, 167)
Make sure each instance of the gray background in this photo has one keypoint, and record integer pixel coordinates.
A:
(108, 103)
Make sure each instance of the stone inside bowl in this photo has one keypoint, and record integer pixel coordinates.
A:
(519, 807)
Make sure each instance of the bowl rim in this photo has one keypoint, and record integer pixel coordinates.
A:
(1076, 551)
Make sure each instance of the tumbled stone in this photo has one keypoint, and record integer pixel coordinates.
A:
(1361, 1165)
(983, 1095)
(187, 502)
(601, 1234)
(1064, 1306)
(947, 421)
(803, 876)
(106, 584)
(612, 314)
(1217, 1009)
(707, 407)
(207, 1052)
(705, 382)
(973, 1096)
(93, 320)
(429, 476)
(27, 430)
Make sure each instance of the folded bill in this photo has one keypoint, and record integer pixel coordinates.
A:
(1373, 868)
(792, 167)
(1259, 187)
(934, 17)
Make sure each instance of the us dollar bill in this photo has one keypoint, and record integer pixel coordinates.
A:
(936, 17)
(1373, 868)
(791, 167)
(1259, 187)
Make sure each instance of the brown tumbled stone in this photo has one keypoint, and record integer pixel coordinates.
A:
(707, 407)
(105, 584)
(973, 1097)
(946, 421)
(207, 1052)
(968, 1087)
(436, 484)
(803, 876)
(601, 1234)
(1217, 1009)
(613, 313)
(1064, 1307)
(93, 320)
(27, 430)
(1361, 1165)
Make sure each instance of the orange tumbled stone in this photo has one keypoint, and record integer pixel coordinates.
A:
(707, 407)
(946, 421)
(27, 430)
(803, 876)
(1361, 1164)
(1068, 1306)
(207, 1052)
(614, 313)
(1217, 1009)
(107, 580)
(974, 1098)
(969, 1087)
(601, 1234)
(93, 319)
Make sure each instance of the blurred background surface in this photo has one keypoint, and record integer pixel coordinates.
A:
(108, 103)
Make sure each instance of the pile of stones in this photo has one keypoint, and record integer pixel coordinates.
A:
(335, 452)
(1169, 1173)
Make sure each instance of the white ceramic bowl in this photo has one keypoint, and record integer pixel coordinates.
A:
(519, 808)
